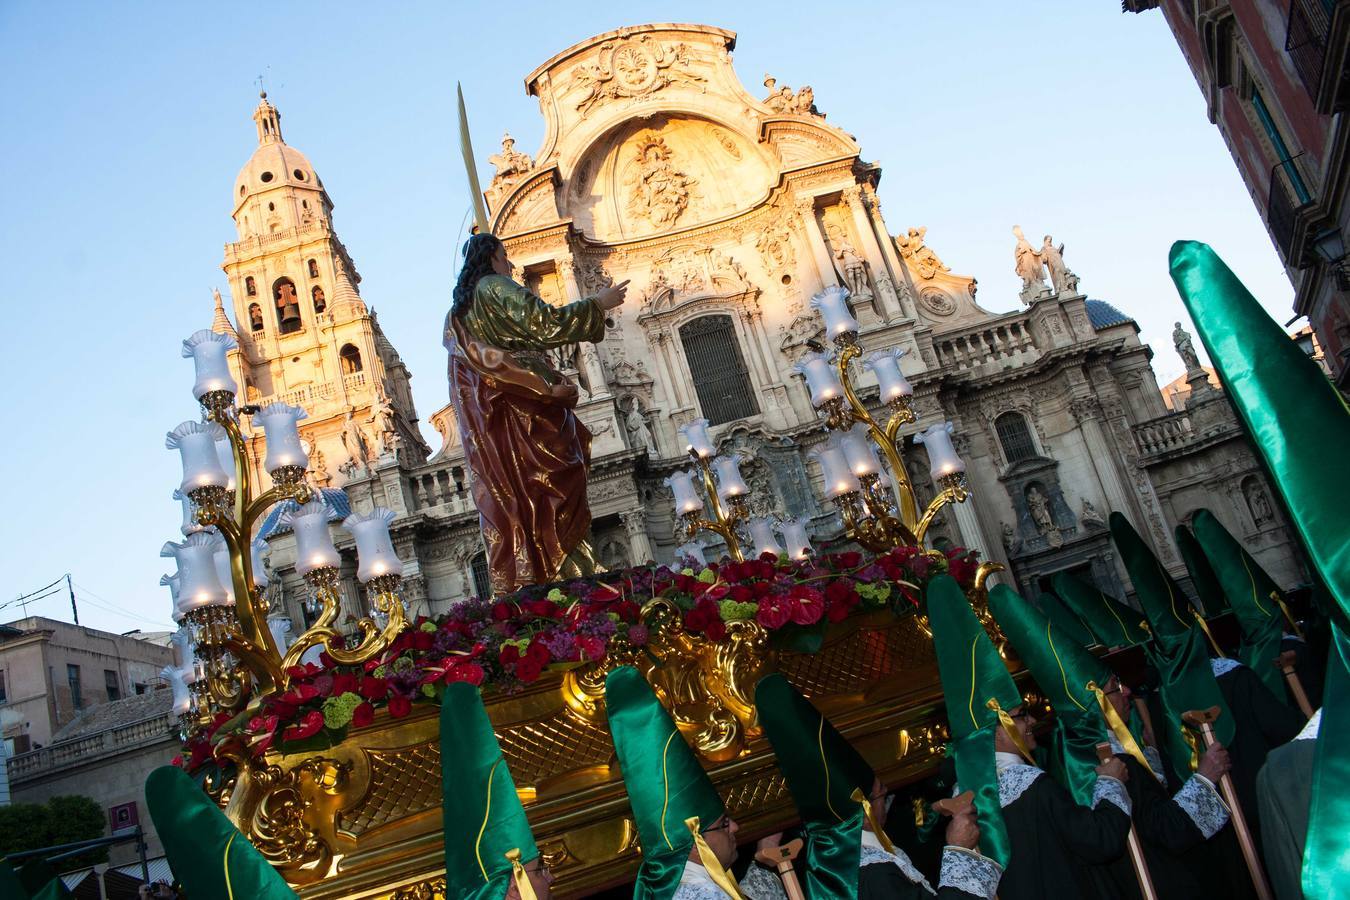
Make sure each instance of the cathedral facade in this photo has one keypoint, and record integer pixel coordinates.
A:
(727, 210)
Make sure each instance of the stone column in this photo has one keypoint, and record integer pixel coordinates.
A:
(889, 303)
(972, 534)
(1088, 413)
(889, 253)
(590, 357)
(806, 207)
(639, 545)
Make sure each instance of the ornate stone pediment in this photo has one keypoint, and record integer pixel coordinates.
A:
(531, 203)
(685, 272)
(799, 143)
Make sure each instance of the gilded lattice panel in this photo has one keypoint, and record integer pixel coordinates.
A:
(550, 746)
(754, 794)
(403, 781)
(854, 664)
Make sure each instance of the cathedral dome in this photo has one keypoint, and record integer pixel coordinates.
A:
(274, 164)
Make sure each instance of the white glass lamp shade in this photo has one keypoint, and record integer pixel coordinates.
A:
(184, 656)
(225, 452)
(280, 626)
(687, 499)
(207, 350)
(692, 550)
(199, 585)
(313, 541)
(885, 365)
(833, 306)
(942, 458)
(820, 378)
(220, 556)
(697, 439)
(729, 480)
(763, 536)
(196, 443)
(278, 421)
(375, 554)
(256, 549)
(190, 524)
(859, 450)
(838, 477)
(182, 697)
(171, 582)
(795, 537)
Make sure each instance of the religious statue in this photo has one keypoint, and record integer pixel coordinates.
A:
(318, 469)
(1030, 267)
(1089, 515)
(913, 249)
(1009, 537)
(510, 162)
(1181, 338)
(1039, 506)
(527, 451)
(659, 191)
(783, 99)
(778, 99)
(854, 269)
(382, 417)
(354, 442)
(1061, 278)
(804, 104)
(639, 435)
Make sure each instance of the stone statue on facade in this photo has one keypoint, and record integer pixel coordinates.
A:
(319, 469)
(635, 423)
(1009, 537)
(1062, 279)
(382, 417)
(510, 162)
(1089, 516)
(1039, 506)
(1029, 266)
(782, 99)
(853, 268)
(354, 442)
(919, 255)
(659, 191)
(1181, 339)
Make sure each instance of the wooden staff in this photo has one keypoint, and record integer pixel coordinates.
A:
(1201, 719)
(1285, 663)
(1136, 849)
(780, 860)
(955, 806)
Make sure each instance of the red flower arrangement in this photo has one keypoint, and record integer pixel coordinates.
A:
(505, 644)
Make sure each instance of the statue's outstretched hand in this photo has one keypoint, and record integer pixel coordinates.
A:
(612, 296)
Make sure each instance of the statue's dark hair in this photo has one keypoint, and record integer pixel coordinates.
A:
(478, 253)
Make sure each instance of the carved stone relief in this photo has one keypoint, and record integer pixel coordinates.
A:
(633, 67)
(657, 190)
(936, 301)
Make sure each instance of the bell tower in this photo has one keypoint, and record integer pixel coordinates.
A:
(305, 335)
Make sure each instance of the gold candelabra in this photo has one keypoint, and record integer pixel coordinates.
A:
(721, 521)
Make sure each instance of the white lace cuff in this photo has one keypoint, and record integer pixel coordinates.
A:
(1198, 799)
(970, 872)
(1112, 791)
(760, 883)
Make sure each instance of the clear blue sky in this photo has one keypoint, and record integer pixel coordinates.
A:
(125, 124)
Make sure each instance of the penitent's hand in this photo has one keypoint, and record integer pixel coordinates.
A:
(1114, 768)
(964, 830)
(612, 296)
(1214, 762)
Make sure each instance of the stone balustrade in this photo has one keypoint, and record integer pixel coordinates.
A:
(1169, 432)
(1005, 341)
(79, 751)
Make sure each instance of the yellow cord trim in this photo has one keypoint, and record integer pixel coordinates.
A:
(665, 787)
(1124, 632)
(1117, 726)
(720, 876)
(1252, 580)
(521, 877)
(874, 821)
(229, 888)
(973, 644)
(820, 744)
(1204, 626)
(487, 813)
(1171, 598)
(1064, 676)
(1013, 734)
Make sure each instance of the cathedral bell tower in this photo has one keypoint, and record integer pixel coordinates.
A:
(305, 335)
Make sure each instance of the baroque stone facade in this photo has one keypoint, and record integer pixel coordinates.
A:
(728, 212)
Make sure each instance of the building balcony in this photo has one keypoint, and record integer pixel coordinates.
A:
(1318, 43)
(1282, 213)
(85, 749)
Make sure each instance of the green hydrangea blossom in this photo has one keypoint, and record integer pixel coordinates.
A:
(556, 595)
(404, 664)
(686, 571)
(429, 627)
(429, 690)
(337, 711)
(380, 671)
(732, 611)
(874, 594)
(707, 576)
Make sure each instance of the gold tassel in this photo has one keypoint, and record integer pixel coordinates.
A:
(720, 876)
(1117, 726)
(517, 872)
(1204, 626)
(471, 167)
(870, 811)
(522, 878)
(1013, 734)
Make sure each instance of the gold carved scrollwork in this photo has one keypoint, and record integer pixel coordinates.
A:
(431, 889)
(294, 824)
(708, 686)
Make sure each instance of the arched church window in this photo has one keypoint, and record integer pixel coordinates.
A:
(478, 572)
(320, 304)
(287, 305)
(255, 317)
(721, 380)
(350, 359)
(313, 269)
(250, 286)
(1015, 437)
